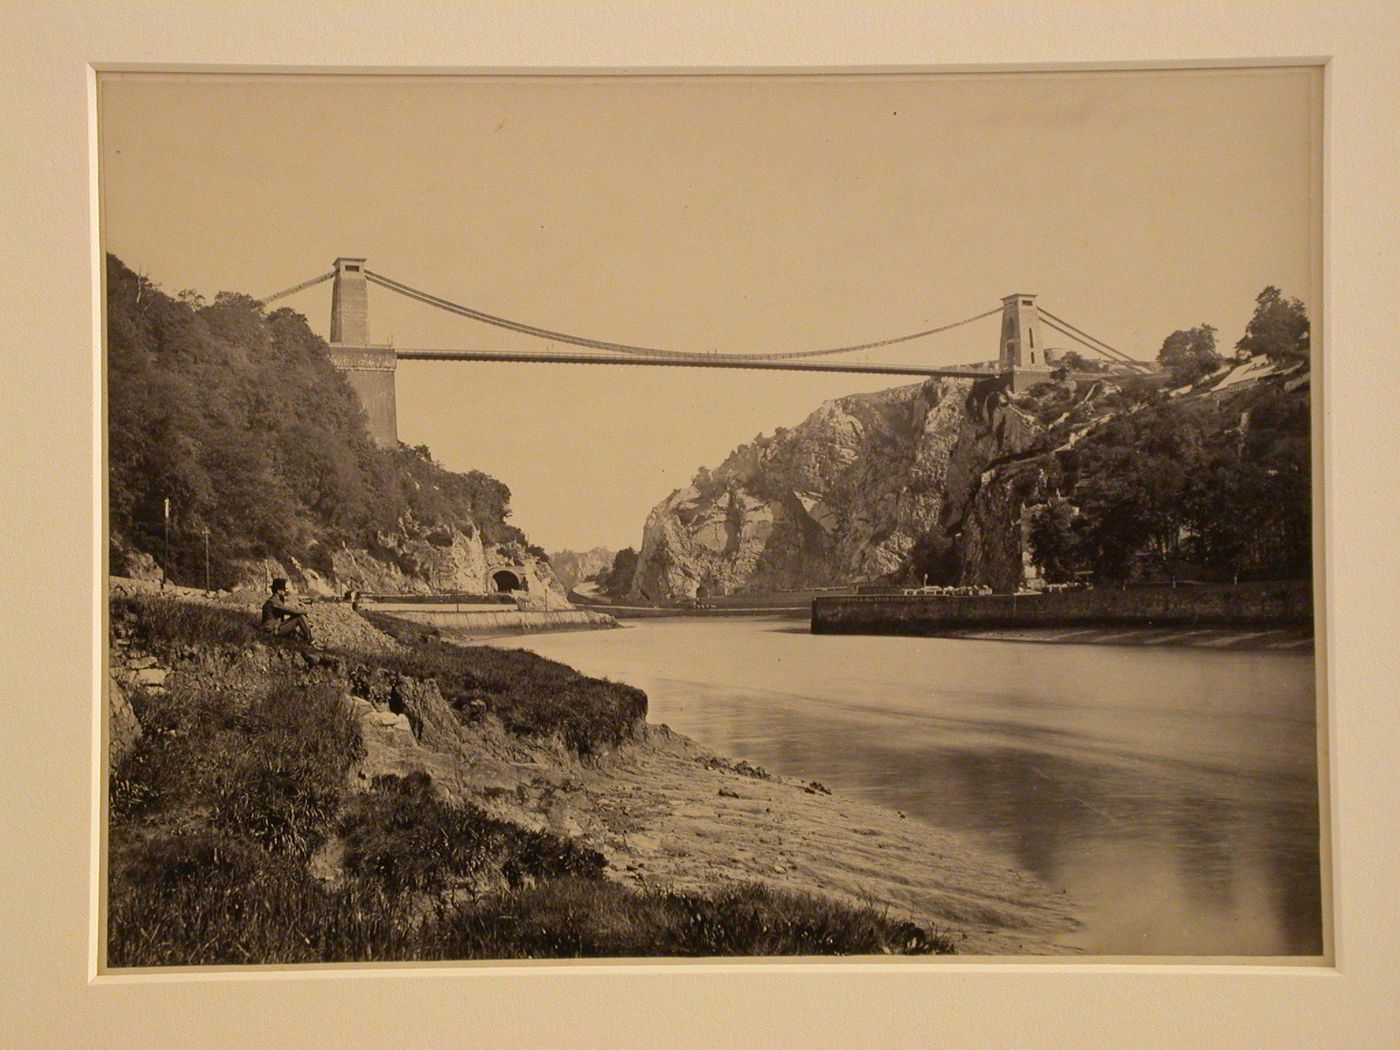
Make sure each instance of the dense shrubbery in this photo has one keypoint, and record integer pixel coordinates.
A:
(1189, 354)
(617, 581)
(531, 696)
(240, 420)
(1279, 329)
(1221, 484)
(1077, 362)
(1215, 485)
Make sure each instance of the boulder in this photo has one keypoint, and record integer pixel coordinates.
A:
(150, 676)
(123, 727)
(390, 720)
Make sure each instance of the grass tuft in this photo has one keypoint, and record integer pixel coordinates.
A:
(406, 839)
(270, 765)
(573, 918)
(206, 898)
(161, 623)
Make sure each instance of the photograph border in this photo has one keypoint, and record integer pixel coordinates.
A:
(807, 1002)
(1314, 297)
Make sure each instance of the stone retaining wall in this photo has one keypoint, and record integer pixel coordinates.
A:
(1243, 605)
(506, 621)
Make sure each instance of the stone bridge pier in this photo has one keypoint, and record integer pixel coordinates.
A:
(369, 367)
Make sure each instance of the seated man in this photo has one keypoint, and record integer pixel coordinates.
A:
(282, 614)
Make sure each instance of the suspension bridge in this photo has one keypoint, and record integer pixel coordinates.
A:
(1023, 356)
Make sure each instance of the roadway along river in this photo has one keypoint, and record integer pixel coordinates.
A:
(1171, 791)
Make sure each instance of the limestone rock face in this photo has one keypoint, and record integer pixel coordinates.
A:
(573, 567)
(989, 479)
(841, 498)
(415, 560)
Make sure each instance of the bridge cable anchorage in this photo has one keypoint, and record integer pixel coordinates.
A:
(295, 288)
(1082, 342)
(1102, 346)
(1120, 359)
(1081, 336)
(627, 348)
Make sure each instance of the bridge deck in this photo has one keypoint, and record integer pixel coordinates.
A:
(718, 361)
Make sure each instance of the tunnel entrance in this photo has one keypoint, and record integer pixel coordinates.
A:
(503, 581)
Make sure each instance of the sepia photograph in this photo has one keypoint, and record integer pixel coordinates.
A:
(744, 515)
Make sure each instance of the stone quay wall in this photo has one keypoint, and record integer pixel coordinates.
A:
(1243, 605)
(483, 622)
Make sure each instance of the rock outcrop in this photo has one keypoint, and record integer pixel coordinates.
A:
(573, 567)
(415, 560)
(844, 496)
(123, 728)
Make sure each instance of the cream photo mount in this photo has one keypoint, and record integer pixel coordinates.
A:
(1216, 1007)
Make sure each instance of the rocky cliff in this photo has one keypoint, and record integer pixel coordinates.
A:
(845, 496)
(409, 560)
(944, 480)
(573, 567)
(414, 560)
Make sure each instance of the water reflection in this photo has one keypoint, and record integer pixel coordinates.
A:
(1172, 792)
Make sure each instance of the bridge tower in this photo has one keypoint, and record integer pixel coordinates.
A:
(1022, 352)
(369, 367)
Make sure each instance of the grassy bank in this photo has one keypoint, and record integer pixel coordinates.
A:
(239, 832)
(530, 695)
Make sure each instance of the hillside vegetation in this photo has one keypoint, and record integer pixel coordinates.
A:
(1212, 486)
(237, 418)
(1199, 469)
(1212, 479)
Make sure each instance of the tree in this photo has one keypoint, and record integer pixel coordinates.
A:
(1190, 354)
(1053, 540)
(618, 580)
(1279, 328)
(1077, 362)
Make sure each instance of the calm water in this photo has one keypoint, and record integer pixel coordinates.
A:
(1171, 792)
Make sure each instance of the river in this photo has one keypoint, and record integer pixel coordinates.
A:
(1172, 792)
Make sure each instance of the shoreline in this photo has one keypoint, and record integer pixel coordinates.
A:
(1286, 640)
(665, 813)
(698, 820)
(669, 814)
(1279, 639)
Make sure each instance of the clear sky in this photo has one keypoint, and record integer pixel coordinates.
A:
(727, 214)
